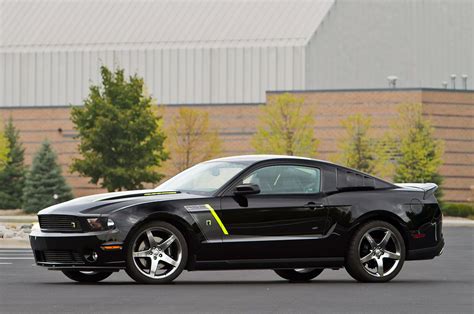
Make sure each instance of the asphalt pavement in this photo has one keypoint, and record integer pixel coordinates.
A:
(442, 285)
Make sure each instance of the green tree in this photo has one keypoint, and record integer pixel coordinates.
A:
(4, 150)
(190, 139)
(418, 154)
(361, 151)
(12, 177)
(286, 127)
(44, 184)
(121, 137)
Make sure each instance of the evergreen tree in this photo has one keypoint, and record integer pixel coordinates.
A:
(4, 150)
(12, 177)
(45, 185)
(286, 127)
(121, 135)
(361, 151)
(418, 153)
(357, 148)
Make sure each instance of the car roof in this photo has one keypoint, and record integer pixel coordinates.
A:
(252, 159)
(258, 158)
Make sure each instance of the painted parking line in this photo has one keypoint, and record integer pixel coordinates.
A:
(11, 252)
(8, 255)
(16, 255)
(16, 252)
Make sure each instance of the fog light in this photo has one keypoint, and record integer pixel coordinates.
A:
(91, 257)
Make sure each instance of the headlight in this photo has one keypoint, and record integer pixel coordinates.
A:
(100, 223)
(110, 223)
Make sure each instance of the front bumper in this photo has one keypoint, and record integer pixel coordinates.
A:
(61, 251)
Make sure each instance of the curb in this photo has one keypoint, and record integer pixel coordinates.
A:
(19, 219)
(14, 244)
(457, 222)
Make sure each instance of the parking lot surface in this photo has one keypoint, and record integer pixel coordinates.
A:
(442, 285)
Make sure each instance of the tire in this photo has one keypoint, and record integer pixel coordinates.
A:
(86, 276)
(376, 252)
(159, 246)
(300, 274)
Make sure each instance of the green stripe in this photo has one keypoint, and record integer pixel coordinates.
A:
(160, 193)
(213, 212)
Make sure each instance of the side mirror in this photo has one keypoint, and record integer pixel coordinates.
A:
(245, 189)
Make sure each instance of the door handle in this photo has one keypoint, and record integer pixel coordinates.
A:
(313, 205)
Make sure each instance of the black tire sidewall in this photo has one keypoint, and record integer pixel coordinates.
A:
(132, 270)
(294, 276)
(353, 265)
(82, 277)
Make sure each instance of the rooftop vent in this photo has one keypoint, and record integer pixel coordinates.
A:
(453, 81)
(464, 81)
(392, 81)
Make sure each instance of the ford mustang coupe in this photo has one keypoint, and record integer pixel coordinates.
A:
(294, 215)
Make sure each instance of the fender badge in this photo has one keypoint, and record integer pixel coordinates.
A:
(208, 222)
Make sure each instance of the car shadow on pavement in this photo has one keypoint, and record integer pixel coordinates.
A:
(259, 282)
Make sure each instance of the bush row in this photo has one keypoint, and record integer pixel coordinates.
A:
(458, 209)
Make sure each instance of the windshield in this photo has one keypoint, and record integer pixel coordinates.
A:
(205, 178)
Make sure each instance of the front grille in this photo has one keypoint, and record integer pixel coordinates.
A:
(59, 257)
(59, 223)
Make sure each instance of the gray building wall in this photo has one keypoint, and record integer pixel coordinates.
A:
(422, 42)
(233, 51)
(179, 75)
(188, 51)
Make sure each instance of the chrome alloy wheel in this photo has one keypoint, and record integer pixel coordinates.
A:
(157, 253)
(379, 252)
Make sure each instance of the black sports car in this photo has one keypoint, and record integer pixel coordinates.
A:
(297, 216)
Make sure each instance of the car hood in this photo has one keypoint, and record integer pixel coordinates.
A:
(102, 204)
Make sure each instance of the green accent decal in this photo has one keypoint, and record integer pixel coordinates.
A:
(213, 212)
(160, 193)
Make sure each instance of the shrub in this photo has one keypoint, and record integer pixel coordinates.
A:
(458, 209)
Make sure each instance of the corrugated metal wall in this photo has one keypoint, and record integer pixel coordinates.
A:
(357, 44)
(421, 42)
(172, 75)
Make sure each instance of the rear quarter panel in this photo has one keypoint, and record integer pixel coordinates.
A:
(406, 209)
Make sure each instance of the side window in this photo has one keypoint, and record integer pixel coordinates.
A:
(287, 179)
(348, 179)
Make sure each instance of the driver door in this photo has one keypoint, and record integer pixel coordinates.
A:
(285, 220)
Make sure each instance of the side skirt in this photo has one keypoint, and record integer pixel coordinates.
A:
(322, 262)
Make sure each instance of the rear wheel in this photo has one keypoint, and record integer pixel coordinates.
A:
(376, 252)
(157, 253)
(86, 276)
(299, 274)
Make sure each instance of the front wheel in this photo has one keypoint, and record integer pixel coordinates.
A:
(156, 254)
(376, 252)
(299, 274)
(86, 276)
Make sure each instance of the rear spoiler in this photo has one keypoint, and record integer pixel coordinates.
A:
(427, 188)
